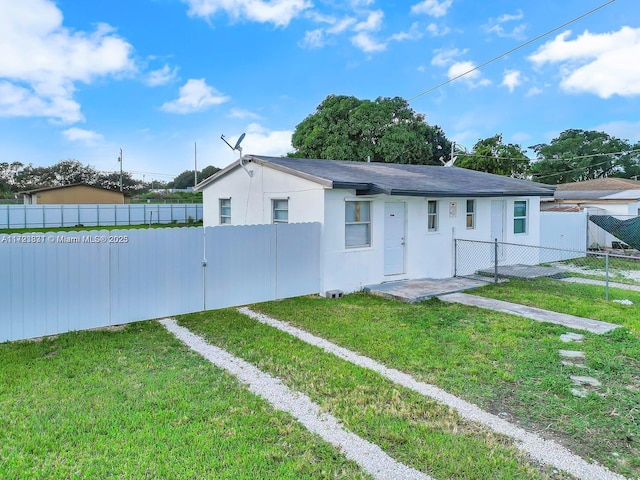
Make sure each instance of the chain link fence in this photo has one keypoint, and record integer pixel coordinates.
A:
(503, 260)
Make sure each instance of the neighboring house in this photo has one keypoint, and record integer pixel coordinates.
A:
(619, 197)
(380, 221)
(77, 193)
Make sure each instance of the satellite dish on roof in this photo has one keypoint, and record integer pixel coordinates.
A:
(239, 149)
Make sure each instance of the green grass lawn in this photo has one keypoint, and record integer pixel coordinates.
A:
(505, 364)
(576, 299)
(411, 428)
(138, 404)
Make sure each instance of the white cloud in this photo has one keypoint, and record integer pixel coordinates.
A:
(621, 129)
(242, 114)
(601, 64)
(433, 8)
(443, 58)
(195, 96)
(278, 12)
(341, 25)
(533, 91)
(496, 26)
(414, 33)
(367, 44)
(437, 31)
(509, 18)
(313, 39)
(512, 79)
(87, 137)
(373, 23)
(262, 141)
(465, 72)
(161, 76)
(42, 60)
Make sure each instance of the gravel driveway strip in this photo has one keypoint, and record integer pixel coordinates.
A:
(544, 451)
(371, 458)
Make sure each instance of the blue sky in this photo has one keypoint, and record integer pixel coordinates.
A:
(82, 79)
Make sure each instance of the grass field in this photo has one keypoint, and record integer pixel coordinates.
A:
(575, 299)
(507, 365)
(137, 404)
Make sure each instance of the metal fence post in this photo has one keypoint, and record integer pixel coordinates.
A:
(455, 257)
(606, 276)
(495, 261)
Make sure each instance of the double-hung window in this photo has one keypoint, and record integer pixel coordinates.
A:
(280, 211)
(432, 215)
(471, 214)
(357, 224)
(520, 216)
(225, 211)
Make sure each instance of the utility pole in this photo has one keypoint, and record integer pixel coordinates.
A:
(120, 160)
(195, 159)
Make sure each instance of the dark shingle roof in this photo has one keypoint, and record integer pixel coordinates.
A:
(402, 179)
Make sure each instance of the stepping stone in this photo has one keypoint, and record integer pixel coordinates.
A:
(568, 363)
(571, 337)
(571, 354)
(585, 381)
(579, 392)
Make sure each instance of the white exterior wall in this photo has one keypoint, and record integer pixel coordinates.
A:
(251, 197)
(564, 230)
(427, 254)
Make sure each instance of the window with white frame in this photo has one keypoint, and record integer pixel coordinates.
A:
(520, 216)
(471, 214)
(225, 211)
(357, 224)
(432, 215)
(280, 211)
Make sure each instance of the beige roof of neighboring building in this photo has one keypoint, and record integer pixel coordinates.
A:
(602, 184)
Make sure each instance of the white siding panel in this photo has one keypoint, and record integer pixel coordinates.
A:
(79, 280)
(297, 259)
(91, 215)
(240, 265)
(154, 275)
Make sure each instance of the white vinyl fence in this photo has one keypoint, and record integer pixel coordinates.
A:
(53, 283)
(97, 215)
(564, 230)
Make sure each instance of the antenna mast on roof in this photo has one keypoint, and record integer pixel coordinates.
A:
(239, 149)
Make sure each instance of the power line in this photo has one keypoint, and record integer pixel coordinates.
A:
(565, 159)
(564, 172)
(528, 42)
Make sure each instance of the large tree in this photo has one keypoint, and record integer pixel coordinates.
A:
(187, 178)
(577, 155)
(491, 155)
(384, 130)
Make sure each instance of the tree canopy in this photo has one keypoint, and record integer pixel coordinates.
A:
(491, 155)
(577, 155)
(187, 178)
(384, 130)
(16, 177)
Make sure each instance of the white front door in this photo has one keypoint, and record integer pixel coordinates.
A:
(394, 233)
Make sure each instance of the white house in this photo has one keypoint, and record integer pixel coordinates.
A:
(380, 221)
(619, 197)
